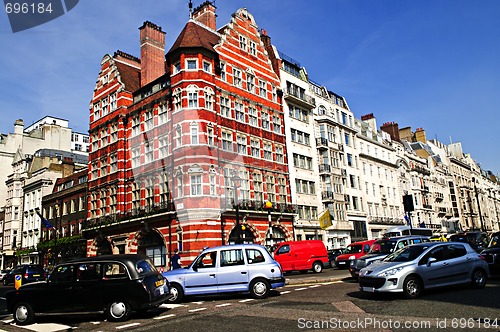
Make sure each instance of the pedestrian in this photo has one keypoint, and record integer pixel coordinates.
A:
(175, 260)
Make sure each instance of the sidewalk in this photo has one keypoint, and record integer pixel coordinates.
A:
(328, 275)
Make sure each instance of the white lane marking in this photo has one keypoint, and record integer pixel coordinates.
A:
(127, 326)
(199, 309)
(166, 316)
(95, 323)
(45, 327)
(171, 305)
(347, 306)
(299, 289)
(285, 292)
(199, 302)
(247, 300)
(223, 305)
(314, 286)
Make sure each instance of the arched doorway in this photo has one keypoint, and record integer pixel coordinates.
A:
(246, 235)
(103, 246)
(276, 236)
(151, 244)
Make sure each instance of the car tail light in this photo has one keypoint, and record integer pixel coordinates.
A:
(26, 276)
(481, 257)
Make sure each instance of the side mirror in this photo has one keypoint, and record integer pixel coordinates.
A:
(431, 260)
(195, 268)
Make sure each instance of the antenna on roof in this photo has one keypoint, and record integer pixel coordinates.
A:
(190, 9)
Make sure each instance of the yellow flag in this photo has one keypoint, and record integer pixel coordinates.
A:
(325, 220)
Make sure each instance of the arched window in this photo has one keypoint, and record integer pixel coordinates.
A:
(192, 94)
(209, 98)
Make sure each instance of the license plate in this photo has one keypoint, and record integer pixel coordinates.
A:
(36, 275)
(342, 263)
(159, 283)
(369, 289)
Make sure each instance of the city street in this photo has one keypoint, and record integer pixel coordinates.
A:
(335, 305)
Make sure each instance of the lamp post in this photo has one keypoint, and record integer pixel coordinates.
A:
(478, 205)
(236, 183)
(269, 205)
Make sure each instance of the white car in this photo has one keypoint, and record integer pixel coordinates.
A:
(415, 268)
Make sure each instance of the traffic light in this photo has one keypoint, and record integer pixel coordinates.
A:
(408, 203)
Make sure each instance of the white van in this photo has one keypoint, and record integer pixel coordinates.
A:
(406, 230)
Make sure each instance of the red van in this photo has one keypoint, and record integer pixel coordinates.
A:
(301, 255)
(353, 251)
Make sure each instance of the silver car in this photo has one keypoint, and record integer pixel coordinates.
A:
(243, 268)
(415, 268)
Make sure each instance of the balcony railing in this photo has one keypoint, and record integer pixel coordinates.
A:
(253, 205)
(115, 218)
(325, 168)
(327, 195)
(300, 97)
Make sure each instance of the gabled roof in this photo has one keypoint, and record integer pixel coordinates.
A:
(194, 35)
(130, 76)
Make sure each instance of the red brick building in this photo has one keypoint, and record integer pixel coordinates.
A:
(187, 146)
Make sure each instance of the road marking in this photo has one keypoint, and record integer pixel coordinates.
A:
(45, 327)
(247, 300)
(314, 286)
(199, 309)
(223, 305)
(166, 316)
(299, 289)
(285, 292)
(347, 306)
(171, 305)
(127, 326)
(199, 302)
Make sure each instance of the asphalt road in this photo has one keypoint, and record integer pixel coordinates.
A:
(334, 303)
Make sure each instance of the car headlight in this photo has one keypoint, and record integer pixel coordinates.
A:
(352, 257)
(390, 272)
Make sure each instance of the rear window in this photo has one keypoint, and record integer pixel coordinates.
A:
(35, 270)
(145, 267)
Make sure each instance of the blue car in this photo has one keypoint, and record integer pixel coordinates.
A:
(244, 268)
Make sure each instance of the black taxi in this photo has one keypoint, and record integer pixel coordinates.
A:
(114, 285)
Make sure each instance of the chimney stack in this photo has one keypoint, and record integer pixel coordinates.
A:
(205, 14)
(420, 135)
(392, 128)
(152, 52)
(370, 120)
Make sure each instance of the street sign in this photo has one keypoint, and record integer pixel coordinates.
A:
(18, 281)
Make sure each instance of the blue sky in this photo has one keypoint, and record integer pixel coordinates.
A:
(430, 64)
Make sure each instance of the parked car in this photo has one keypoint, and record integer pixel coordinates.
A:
(302, 255)
(492, 253)
(28, 273)
(477, 240)
(3, 273)
(243, 268)
(353, 251)
(110, 284)
(381, 248)
(333, 253)
(419, 267)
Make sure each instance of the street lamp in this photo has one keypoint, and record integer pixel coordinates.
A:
(236, 183)
(478, 205)
(269, 205)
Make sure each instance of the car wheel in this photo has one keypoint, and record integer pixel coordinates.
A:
(478, 278)
(412, 287)
(259, 288)
(177, 293)
(118, 311)
(23, 314)
(317, 267)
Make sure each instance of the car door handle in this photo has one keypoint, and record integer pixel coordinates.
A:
(212, 275)
(243, 272)
(445, 263)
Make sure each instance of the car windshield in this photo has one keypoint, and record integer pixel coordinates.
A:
(405, 254)
(144, 267)
(353, 249)
(495, 242)
(382, 247)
